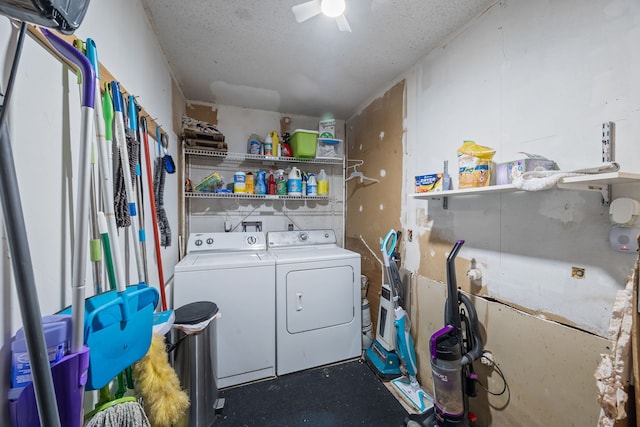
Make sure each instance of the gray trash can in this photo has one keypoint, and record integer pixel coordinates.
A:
(194, 360)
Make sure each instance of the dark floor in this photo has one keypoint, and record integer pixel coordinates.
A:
(346, 394)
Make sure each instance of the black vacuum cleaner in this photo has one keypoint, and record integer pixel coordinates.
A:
(453, 349)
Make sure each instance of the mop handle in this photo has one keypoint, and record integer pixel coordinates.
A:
(126, 172)
(103, 121)
(80, 244)
(152, 202)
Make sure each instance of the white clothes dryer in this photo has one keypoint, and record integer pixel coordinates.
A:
(235, 271)
(317, 300)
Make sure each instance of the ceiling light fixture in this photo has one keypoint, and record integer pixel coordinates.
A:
(332, 8)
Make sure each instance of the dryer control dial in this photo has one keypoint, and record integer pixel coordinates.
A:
(210, 241)
(303, 236)
(198, 242)
(252, 240)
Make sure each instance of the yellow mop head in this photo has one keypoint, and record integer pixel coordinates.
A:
(165, 403)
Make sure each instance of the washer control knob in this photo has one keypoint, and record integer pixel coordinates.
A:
(252, 240)
(210, 241)
(326, 235)
(198, 242)
(303, 236)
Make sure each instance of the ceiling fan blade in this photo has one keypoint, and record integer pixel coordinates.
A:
(304, 11)
(343, 25)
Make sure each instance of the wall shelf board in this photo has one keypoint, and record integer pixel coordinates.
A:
(592, 182)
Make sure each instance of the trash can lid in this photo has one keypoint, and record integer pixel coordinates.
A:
(195, 312)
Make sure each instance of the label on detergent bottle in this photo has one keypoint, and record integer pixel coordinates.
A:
(294, 186)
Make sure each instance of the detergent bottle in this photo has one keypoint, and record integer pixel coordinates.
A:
(261, 183)
(294, 183)
(275, 142)
(281, 183)
(323, 183)
(312, 185)
(268, 145)
(272, 184)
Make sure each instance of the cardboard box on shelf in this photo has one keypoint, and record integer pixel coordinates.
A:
(431, 183)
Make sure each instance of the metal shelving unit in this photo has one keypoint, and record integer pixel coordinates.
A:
(198, 163)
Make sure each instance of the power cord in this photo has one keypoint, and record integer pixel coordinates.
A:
(487, 359)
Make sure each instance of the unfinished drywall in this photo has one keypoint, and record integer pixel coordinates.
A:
(538, 78)
(375, 141)
(548, 367)
(514, 86)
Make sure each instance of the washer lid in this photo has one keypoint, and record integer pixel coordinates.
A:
(312, 253)
(224, 260)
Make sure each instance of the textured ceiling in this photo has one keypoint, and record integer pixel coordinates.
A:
(254, 54)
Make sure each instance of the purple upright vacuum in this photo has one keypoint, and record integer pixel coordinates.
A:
(453, 349)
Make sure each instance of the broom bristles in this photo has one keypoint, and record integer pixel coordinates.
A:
(165, 403)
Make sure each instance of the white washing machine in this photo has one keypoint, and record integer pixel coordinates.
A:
(235, 271)
(317, 300)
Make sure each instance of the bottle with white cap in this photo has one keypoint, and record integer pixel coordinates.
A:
(323, 183)
(312, 185)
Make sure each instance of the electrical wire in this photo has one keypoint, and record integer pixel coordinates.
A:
(505, 386)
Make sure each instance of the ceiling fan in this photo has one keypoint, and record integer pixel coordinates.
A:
(331, 8)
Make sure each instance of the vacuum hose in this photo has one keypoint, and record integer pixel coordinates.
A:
(476, 351)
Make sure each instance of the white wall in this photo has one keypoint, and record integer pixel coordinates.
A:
(44, 123)
(539, 77)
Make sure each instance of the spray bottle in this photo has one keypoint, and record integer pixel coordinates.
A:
(281, 183)
(261, 183)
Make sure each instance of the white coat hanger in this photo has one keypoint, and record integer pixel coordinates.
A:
(355, 173)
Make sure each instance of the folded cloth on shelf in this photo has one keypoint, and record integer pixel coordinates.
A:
(547, 179)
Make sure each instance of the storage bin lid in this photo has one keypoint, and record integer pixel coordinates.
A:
(195, 312)
(330, 141)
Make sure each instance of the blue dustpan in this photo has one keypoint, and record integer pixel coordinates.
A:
(119, 333)
(117, 328)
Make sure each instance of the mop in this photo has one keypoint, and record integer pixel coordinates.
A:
(158, 184)
(408, 384)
